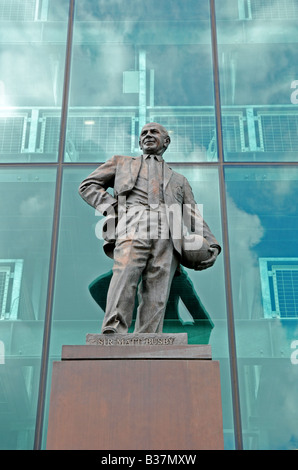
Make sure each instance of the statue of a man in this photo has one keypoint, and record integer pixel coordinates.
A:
(144, 247)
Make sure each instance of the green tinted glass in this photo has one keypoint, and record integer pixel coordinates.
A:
(263, 225)
(149, 61)
(32, 50)
(258, 79)
(84, 272)
(80, 261)
(26, 211)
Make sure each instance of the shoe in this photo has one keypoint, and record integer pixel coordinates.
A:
(108, 330)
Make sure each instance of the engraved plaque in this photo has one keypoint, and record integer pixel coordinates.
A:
(136, 339)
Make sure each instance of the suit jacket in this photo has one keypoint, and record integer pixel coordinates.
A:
(120, 173)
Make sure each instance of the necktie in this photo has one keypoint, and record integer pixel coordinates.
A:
(153, 181)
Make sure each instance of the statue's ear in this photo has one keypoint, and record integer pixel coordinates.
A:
(167, 142)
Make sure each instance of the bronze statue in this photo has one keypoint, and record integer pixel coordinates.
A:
(151, 209)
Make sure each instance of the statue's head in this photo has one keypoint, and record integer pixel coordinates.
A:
(154, 139)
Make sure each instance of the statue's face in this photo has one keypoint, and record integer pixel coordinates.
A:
(153, 140)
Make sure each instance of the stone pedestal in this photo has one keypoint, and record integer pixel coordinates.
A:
(135, 392)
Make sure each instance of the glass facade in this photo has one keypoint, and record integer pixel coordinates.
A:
(78, 79)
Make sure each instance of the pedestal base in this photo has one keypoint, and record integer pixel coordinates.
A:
(135, 398)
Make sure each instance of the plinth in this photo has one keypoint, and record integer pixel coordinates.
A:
(135, 392)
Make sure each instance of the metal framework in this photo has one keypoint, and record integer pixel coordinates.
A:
(279, 281)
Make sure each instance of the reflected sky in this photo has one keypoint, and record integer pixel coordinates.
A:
(257, 58)
(258, 55)
(263, 223)
(31, 75)
(88, 10)
(32, 50)
(258, 74)
(269, 195)
(167, 45)
(258, 63)
(97, 77)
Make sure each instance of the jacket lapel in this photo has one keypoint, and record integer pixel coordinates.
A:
(167, 175)
(135, 168)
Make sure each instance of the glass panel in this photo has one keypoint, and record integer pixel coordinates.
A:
(26, 212)
(209, 286)
(32, 55)
(83, 275)
(258, 79)
(149, 61)
(263, 229)
(80, 261)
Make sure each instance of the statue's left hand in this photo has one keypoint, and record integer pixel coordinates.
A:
(209, 262)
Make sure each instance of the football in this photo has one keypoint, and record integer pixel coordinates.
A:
(194, 250)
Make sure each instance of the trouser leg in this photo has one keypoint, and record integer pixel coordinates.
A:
(155, 287)
(130, 258)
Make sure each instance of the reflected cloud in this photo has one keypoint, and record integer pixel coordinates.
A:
(88, 10)
(262, 223)
(260, 53)
(277, 405)
(263, 72)
(31, 55)
(245, 233)
(34, 205)
(269, 382)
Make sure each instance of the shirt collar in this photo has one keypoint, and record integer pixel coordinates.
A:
(158, 157)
